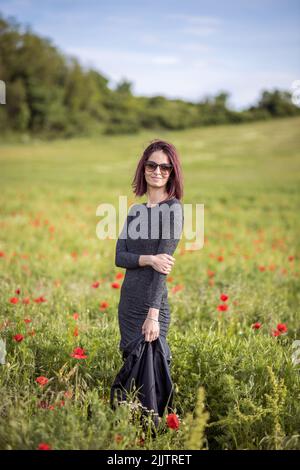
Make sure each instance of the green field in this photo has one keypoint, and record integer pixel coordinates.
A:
(248, 178)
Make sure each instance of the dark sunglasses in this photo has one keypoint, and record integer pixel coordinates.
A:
(164, 167)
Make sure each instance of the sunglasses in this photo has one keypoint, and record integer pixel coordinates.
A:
(165, 168)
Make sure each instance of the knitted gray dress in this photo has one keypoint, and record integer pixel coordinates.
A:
(147, 230)
(144, 287)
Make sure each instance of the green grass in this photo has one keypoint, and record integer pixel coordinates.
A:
(247, 177)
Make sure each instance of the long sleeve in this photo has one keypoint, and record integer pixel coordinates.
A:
(166, 245)
(123, 257)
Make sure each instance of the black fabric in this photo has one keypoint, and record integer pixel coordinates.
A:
(146, 366)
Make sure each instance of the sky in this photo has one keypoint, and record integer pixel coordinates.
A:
(180, 49)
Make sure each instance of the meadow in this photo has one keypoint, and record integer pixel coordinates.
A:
(234, 304)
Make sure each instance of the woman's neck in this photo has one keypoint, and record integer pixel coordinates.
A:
(155, 197)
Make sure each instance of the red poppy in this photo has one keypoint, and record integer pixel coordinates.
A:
(220, 258)
(282, 327)
(172, 421)
(275, 333)
(223, 307)
(27, 320)
(115, 285)
(103, 305)
(40, 299)
(75, 332)
(42, 380)
(177, 288)
(44, 446)
(224, 297)
(118, 438)
(26, 300)
(2, 254)
(256, 325)
(79, 353)
(262, 268)
(14, 300)
(96, 284)
(119, 276)
(18, 291)
(75, 316)
(18, 337)
(210, 273)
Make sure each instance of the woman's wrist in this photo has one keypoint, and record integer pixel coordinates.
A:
(146, 260)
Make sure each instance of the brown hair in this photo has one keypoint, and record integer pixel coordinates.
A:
(175, 181)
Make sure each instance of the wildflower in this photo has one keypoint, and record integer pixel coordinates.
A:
(223, 307)
(282, 327)
(103, 305)
(172, 421)
(79, 353)
(224, 297)
(44, 446)
(96, 284)
(14, 300)
(42, 380)
(115, 285)
(18, 338)
(119, 276)
(75, 316)
(256, 325)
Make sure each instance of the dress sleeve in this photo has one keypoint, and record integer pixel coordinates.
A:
(166, 245)
(123, 257)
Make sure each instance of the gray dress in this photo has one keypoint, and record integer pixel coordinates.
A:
(144, 287)
(160, 229)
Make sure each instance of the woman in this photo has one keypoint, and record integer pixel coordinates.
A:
(143, 310)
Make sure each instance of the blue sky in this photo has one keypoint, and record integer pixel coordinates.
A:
(179, 49)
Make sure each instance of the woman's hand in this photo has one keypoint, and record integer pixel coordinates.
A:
(163, 263)
(150, 327)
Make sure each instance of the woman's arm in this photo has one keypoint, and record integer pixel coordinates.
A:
(123, 257)
(166, 245)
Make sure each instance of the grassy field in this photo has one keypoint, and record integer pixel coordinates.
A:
(248, 178)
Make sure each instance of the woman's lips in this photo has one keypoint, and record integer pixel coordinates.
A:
(155, 178)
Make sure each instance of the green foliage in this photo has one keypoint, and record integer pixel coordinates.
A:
(248, 178)
(52, 95)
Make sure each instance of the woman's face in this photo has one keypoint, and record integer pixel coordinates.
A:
(156, 178)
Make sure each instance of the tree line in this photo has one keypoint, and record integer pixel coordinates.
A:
(50, 93)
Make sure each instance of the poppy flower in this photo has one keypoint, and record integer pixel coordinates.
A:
(18, 291)
(44, 446)
(75, 316)
(224, 297)
(223, 307)
(282, 327)
(40, 299)
(172, 421)
(177, 288)
(115, 285)
(256, 325)
(96, 284)
(14, 300)
(26, 300)
(18, 337)
(42, 380)
(75, 332)
(27, 320)
(103, 305)
(276, 333)
(119, 276)
(79, 353)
